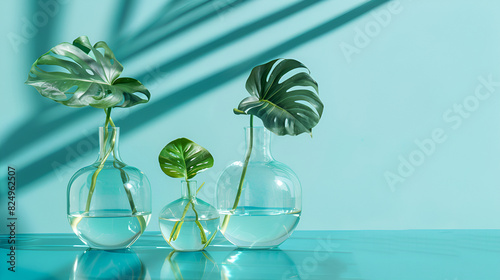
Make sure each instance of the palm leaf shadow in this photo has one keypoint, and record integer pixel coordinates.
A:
(122, 16)
(193, 20)
(36, 125)
(39, 127)
(175, 99)
(170, 12)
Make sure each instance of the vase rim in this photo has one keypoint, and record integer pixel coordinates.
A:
(184, 181)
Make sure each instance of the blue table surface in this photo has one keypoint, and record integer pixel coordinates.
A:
(407, 254)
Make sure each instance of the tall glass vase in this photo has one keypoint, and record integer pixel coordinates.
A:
(109, 202)
(267, 209)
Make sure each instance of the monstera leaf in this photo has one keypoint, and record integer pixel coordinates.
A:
(289, 107)
(183, 158)
(79, 75)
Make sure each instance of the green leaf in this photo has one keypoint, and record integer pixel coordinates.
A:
(183, 158)
(291, 107)
(79, 75)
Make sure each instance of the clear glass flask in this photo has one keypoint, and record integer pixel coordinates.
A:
(109, 202)
(188, 223)
(268, 208)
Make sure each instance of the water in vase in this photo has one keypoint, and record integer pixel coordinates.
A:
(109, 229)
(189, 237)
(255, 227)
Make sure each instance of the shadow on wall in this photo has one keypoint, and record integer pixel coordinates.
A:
(38, 124)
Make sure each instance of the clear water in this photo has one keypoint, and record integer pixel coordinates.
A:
(253, 227)
(189, 238)
(109, 229)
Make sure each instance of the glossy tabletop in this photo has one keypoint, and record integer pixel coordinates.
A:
(410, 254)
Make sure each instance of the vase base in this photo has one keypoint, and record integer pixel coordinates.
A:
(189, 238)
(258, 228)
(108, 232)
(258, 247)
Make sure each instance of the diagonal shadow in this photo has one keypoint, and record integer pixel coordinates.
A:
(38, 125)
(166, 15)
(147, 113)
(232, 36)
(144, 46)
(122, 16)
(22, 135)
(43, 37)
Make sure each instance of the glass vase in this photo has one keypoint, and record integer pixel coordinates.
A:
(189, 223)
(268, 207)
(109, 202)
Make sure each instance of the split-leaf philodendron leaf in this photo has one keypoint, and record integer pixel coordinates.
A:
(79, 75)
(289, 107)
(183, 158)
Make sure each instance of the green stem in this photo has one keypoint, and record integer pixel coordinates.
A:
(200, 226)
(125, 179)
(210, 240)
(202, 231)
(101, 164)
(242, 178)
(177, 226)
(124, 176)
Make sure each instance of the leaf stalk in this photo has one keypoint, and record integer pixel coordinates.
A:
(124, 176)
(242, 179)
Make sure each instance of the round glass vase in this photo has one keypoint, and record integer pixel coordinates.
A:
(189, 223)
(109, 202)
(269, 205)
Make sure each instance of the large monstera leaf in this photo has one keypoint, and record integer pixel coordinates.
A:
(289, 107)
(183, 158)
(79, 75)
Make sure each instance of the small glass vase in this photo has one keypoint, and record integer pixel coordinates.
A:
(109, 202)
(269, 205)
(189, 223)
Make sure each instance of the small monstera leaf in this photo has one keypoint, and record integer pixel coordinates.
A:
(79, 75)
(183, 158)
(289, 107)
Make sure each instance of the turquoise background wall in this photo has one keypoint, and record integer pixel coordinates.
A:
(410, 136)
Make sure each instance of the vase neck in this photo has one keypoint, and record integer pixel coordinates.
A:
(109, 144)
(259, 139)
(188, 189)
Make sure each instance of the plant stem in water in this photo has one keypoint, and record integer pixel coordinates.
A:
(242, 178)
(177, 226)
(101, 164)
(202, 231)
(123, 174)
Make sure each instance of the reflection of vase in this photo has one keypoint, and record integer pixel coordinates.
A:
(269, 205)
(109, 202)
(188, 223)
(189, 265)
(258, 264)
(117, 264)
